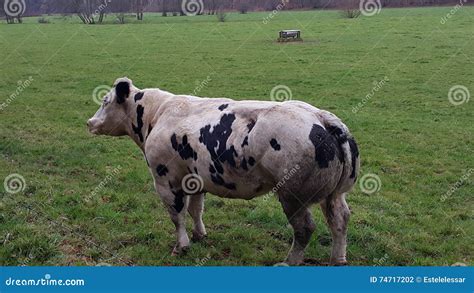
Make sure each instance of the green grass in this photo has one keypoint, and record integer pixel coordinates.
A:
(409, 134)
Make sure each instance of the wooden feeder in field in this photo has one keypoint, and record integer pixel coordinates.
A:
(290, 36)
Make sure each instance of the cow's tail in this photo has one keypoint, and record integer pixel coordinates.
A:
(348, 148)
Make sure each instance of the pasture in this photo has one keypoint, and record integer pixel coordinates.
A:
(90, 200)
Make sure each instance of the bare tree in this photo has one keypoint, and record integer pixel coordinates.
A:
(90, 11)
(120, 8)
(139, 7)
(221, 15)
(212, 6)
(94, 11)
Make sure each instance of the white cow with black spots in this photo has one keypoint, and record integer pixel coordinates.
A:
(238, 149)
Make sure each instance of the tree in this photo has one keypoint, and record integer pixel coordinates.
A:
(94, 11)
(212, 6)
(139, 8)
(90, 11)
(120, 8)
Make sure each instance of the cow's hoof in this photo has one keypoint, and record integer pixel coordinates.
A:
(198, 237)
(177, 251)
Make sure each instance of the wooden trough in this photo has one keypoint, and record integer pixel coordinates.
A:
(290, 36)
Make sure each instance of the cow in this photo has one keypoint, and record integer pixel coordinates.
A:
(241, 150)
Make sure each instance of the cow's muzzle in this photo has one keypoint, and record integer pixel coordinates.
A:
(93, 125)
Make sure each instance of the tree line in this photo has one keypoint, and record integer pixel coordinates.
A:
(94, 11)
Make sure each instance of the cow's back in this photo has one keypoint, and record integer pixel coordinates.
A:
(248, 148)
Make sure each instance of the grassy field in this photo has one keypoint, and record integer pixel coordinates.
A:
(90, 200)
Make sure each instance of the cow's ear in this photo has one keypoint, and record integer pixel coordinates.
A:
(122, 90)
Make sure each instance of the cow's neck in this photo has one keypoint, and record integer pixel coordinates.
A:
(142, 114)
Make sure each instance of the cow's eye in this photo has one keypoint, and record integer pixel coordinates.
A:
(105, 102)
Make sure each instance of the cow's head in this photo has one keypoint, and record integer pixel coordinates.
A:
(111, 118)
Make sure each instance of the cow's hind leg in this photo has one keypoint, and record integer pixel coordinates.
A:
(196, 209)
(301, 220)
(337, 214)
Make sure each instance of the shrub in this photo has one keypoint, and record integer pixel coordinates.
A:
(221, 16)
(243, 8)
(121, 18)
(43, 20)
(351, 13)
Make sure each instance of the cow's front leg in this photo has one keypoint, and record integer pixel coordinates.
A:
(179, 221)
(176, 203)
(196, 209)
